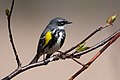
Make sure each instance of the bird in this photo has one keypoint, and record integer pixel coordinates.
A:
(51, 39)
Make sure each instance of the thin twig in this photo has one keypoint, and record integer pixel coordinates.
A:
(101, 43)
(54, 58)
(96, 56)
(21, 69)
(10, 35)
(78, 62)
(26, 67)
(88, 37)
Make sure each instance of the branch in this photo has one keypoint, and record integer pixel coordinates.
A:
(88, 37)
(29, 66)
(21, 69)
(9, 13)
(96, 56)
(58, 57)
(109, 22)
(101, 43)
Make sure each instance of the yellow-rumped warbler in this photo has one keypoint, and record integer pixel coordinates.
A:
(52, 38)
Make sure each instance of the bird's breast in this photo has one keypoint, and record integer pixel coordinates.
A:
(56, 42)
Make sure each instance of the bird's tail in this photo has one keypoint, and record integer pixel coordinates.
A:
(35, 59)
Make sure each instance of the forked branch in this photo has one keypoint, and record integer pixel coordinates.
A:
(96, 56)
(109, 40)
(9, 13)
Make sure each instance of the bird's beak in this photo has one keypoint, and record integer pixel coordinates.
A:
(69, 22)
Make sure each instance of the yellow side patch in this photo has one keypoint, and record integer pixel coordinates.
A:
(48, 37)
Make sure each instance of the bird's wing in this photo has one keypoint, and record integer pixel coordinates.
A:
(44, 40)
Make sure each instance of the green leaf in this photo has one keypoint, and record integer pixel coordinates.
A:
(84, 48)
(7, 12)
(81, 47)
(111, 19)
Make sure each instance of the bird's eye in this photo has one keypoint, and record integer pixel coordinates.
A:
(61, 23)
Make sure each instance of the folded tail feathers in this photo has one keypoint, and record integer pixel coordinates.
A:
(36, 58)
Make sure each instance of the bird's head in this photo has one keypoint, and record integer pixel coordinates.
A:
(59, 21)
